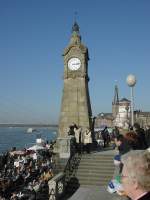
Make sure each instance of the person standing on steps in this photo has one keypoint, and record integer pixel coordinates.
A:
(78, 137)
(105, 136)
(87, 140)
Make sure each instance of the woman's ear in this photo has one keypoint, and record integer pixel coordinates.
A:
(135, 184)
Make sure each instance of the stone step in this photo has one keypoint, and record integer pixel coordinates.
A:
(94, 170)
(96, 161)
(94, 183)
(95, 167)
(98, 182)
(98, 178)
(97, 164)
(98, 158)
(95, 176)
(105, 157)
(94, 173)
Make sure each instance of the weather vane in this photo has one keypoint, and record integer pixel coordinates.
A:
(75, 15)
(116, 81)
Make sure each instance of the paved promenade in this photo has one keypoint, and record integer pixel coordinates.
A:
(94, 193)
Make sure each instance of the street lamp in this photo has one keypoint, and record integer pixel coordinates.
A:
(131, 81)
(127, 109)
(102, 119)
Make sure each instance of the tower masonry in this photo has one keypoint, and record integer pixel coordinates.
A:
(75, 104)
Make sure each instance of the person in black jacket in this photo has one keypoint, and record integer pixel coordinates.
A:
(105, 136)
(122, 144)
(132, 140)
(147, 135)
(141, 136)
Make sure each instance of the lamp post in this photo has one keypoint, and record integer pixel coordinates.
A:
(131, 81)
(102, 119)
(127, 109)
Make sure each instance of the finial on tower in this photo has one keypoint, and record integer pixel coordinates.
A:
(75, 36)
(75, 27)
(75, 16)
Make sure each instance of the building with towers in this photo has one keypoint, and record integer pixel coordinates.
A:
(120, 110)
(121, 114)
(122, 118)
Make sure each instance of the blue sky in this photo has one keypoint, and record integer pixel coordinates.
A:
(33, 34)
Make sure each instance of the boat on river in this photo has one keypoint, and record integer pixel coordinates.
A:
(31, 130)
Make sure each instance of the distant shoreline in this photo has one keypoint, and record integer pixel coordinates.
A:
(29, 125)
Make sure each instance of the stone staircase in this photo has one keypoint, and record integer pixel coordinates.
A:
(96, 169)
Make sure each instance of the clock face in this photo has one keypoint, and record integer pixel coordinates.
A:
(74, 64)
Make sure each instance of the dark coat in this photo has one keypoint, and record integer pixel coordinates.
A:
(145, 197)
(147, 136)
(124, 147)
(141, 138)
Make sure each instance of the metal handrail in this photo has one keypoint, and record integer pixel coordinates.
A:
(72, 165)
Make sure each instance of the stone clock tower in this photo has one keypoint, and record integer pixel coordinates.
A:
(75, 105)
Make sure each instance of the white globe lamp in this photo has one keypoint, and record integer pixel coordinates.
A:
(131, 81)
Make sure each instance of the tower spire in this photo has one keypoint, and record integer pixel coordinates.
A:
(116, 96)
(75, 37)
(75, 27)
(75, 32)
(75, 15)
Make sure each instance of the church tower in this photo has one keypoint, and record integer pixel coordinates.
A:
(115, 103)
(75, 104)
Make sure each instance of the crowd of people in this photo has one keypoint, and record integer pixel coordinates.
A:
(25, 174)
(83, 138)
(135, 138)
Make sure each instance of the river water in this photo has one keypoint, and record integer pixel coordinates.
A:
(18, 137)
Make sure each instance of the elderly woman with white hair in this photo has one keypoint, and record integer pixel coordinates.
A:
(136, 174)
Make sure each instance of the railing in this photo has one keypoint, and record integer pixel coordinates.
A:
(58, 183)
(56, 186)
(72, 164)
